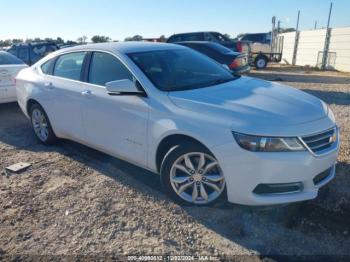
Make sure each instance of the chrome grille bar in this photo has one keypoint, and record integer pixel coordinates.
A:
(320, 142)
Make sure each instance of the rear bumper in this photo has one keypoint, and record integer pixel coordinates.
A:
(244, 171)
(8, 94)
(8, 100)
(241, 70)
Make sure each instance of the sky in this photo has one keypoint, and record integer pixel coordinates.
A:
(118, 19)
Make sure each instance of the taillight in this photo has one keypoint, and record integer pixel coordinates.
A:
(234, 64)
(239, 47)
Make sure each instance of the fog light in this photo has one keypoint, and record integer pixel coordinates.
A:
(263, 189)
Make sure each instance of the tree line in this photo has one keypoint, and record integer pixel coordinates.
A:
(80, 40)
(95, 39)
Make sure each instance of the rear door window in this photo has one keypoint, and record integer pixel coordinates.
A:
(69, 65)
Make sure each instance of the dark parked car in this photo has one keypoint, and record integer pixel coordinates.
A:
(234, 45)
(236, 62)
(30, 53)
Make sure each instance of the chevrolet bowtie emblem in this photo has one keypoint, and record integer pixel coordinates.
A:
(333, 138)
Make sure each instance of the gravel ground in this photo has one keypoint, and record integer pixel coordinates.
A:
(75, 200)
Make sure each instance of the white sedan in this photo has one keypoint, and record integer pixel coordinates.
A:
(9, 67)
(210, 135)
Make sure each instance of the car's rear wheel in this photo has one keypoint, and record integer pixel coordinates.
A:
(192, 175)
(41, 125)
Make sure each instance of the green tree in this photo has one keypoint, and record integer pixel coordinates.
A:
(16, 41)
(6, 42)
(49, 39)
(228, 36)
(82, 39)
(134, 38)
(59, 40)
(162, 38)
(70, 42)
(239, 35)
(100, 39)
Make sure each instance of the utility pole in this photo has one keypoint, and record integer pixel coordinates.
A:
(296, 41)
(326, 42)
(273, 34)
(329, 14)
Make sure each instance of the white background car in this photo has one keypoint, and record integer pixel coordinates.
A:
(176, 112)
(9, 67)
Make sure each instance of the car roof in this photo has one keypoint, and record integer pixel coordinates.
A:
(123, 47)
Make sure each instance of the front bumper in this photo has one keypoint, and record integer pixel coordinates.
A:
(245, 170)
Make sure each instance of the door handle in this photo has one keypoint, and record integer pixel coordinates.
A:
(49, 85)
(86, 93)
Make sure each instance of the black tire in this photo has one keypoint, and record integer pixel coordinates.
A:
(51, 137)
(165, 172)
(260, 62)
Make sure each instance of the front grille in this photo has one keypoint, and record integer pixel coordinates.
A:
(322, 141)
(322, 176)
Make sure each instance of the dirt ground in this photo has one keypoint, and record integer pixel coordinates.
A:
(75, 200)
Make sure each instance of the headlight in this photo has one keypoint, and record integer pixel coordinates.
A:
(268, 144)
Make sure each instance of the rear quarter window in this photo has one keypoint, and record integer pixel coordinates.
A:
(47, 67)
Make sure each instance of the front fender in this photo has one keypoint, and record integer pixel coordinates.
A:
(209, 135)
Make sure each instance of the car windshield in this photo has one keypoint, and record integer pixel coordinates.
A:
(8, 59)
(180, 69)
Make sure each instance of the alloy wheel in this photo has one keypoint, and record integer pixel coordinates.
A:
(40, 124)
(196, 177)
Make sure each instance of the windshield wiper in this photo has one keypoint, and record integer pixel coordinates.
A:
(220, 81)
(201, 85)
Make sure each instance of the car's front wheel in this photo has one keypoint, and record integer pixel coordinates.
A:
(192, 175)
(41, 125)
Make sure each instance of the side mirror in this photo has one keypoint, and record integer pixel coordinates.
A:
(123, 87)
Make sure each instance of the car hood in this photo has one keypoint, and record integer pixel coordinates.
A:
(252, 105)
